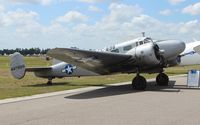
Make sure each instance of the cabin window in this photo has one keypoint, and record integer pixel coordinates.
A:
(115, 50)
(141, 42)
(127, 48)
(137, 44)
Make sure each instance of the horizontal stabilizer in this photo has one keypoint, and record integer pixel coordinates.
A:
(37, 69)
(18, 67)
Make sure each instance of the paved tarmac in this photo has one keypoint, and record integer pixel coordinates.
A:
(109, 105)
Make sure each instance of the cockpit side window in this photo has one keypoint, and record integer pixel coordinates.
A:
(141, 42)
(127, 48)
(146, 41)
(115, 50)
(137, 44)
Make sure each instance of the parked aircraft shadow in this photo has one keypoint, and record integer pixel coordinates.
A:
(61, 84)
(123, 89)
(45, 84)
(185, 87)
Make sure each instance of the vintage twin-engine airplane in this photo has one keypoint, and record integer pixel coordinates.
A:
(141, 55)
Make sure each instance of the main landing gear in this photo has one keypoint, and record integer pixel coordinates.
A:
(162, 79)
(140, 83)
(49, 81)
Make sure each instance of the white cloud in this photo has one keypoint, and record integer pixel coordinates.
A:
(191, 26)
(123, 22)
(17, 25)
(94, 9)
(192, 9)
(43, 2)
(2, 9)
(99, 1)
(175, 2)
(165, 12)
(72, 17)
(19, 18)
(122, 12)
(112, 29)
(91, 1)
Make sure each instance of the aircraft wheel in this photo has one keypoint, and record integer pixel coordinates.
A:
(139, 83)
(162, 79)
(49, 82)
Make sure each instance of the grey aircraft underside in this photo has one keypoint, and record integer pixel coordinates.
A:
(141, 55)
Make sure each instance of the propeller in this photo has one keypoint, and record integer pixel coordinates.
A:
(159, 53)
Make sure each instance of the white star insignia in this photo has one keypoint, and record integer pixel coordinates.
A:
(69, 69)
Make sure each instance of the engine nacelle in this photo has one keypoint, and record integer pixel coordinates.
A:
(175, 61)
(146, 54)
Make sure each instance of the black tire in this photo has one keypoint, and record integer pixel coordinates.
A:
(162, 79)
(49, 83)
(139, 83)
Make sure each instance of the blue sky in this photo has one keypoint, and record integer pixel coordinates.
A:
(94, 23)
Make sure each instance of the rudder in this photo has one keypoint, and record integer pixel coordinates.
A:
(17, 66)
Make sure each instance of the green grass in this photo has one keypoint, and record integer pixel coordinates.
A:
(30, 85)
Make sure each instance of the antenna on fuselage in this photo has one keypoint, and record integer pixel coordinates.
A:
(143, 34)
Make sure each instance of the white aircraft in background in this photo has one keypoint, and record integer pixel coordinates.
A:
(191, 54)
(141, 55)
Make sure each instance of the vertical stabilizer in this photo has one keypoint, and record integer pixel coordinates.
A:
(17, 66)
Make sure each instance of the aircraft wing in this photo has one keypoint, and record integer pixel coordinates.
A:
(37, 69)
(99, 62)
(197, 49)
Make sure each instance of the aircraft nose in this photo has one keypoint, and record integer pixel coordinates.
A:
(180, 45)
(172, 48)
(177, 46)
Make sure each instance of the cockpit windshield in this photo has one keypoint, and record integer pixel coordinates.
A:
(146, 40)
(115, 50)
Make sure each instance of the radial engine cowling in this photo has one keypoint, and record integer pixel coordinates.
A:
(148, 54)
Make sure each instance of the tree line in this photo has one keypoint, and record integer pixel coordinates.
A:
(25, 52)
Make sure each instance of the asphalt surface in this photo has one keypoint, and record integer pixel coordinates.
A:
(175, 104)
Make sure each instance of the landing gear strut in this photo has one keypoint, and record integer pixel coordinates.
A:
(162, 79)
(49, 81)
(139, 83)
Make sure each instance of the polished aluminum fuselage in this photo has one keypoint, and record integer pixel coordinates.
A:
(143, 56)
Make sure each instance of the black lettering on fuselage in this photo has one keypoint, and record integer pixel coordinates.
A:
(18, 67)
